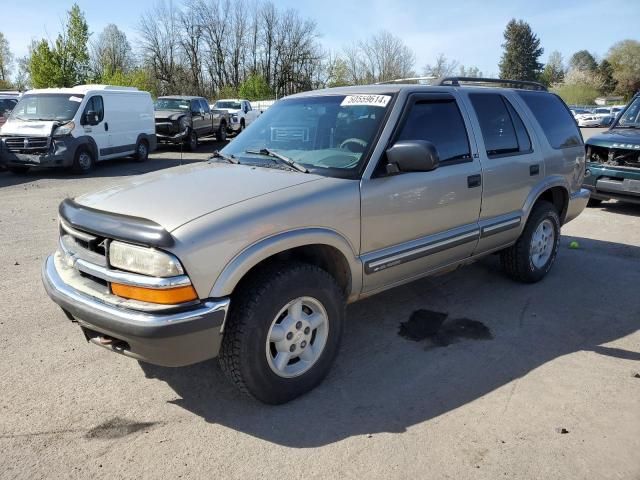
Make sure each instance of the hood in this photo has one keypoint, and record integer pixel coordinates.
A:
(168, 114)
(29, 128)
(175, 196)
(617, 138)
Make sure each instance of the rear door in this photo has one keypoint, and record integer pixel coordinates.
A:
(416, 222)
(512, 165)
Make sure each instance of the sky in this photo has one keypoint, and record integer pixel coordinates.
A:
(467, 31)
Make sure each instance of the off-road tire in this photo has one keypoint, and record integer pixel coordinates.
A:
(142, 154)
(18, 169)
(191, 142)
(243, 355)
(221, 134)
(83, 161)
(516, 260)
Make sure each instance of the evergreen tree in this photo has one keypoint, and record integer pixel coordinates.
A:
(583, 60)
(608, 83)
(521, 52)
(44, 70)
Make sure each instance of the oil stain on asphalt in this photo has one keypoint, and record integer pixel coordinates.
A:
(117, 428)
(435, 326)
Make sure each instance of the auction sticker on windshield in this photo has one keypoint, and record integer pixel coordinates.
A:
(368, 100)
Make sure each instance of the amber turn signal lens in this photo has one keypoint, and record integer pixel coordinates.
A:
(168, 296)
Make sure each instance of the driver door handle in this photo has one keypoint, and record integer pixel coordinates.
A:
(106, 127)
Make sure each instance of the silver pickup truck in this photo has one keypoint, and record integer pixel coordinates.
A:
(329, 197)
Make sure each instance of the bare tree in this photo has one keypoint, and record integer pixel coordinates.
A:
(442, 67)
(380, 58)
(111, 52)
(191, 40)
(6, 58)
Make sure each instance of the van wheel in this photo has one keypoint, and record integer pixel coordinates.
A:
(221, 136)
(18, 169)
(142, 151)
(83, 161)
(532, 256)
(192, 141)
(283, 332)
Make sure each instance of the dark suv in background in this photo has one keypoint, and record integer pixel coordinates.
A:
(613, 159)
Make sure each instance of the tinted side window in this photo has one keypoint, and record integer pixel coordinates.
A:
(195, 106)
(96, 105)
(440, 123)
(204, 105)
(524, 141)
(553, 116)
(495, 122)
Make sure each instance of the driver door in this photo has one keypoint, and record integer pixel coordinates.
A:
(417, 222)
(96, 127)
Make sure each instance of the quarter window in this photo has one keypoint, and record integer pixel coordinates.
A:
(554, 117)
(502, 128)
(439, 122)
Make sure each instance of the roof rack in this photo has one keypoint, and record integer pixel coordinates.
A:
(455, 82)
(408, 80)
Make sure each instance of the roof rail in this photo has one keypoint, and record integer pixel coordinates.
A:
(455, 82)
(407, 80)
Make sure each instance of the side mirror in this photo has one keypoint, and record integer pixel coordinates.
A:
(412, 156)
(90, 118)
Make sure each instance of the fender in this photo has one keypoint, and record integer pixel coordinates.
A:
(85, 140)
(150, 139)
(267, 247)
(549, 182)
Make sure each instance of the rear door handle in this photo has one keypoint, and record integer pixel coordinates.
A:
(534, 169)
(106, 127)
(474, 181)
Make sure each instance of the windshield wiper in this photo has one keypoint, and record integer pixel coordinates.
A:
(228, 158)
(286, 160)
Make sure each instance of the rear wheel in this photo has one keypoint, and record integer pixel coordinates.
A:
(18, 169)
(192, 141)
(283, 332)
(142, 151)
(533, 255)
(83, 161)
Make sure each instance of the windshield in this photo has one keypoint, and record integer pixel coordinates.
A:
(229, 105)
(47, 106)
(328, 135)
(631, 116)
(171, 104)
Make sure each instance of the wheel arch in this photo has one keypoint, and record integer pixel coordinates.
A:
(322, 247)
(555, 191)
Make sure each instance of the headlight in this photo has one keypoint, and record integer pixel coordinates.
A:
(65, 129)
(147, 261)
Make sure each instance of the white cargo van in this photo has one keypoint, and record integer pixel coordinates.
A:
(76, 127)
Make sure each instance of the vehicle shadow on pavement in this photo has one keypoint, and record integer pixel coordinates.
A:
(121, 167)
(384, 383)
(622, 208)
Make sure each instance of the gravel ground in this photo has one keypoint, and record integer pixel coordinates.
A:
(552, 392)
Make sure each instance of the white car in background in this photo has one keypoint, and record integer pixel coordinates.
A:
(240, 112)
(588, 121)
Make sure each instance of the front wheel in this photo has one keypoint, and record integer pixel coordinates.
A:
(83, 161)
(283, 332)
(533, 255)
(192, 141)
(221, 134)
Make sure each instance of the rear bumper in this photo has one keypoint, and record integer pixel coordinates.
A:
(610, 183)
(577, 203)
(169, 339)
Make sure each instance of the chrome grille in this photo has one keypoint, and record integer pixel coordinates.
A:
(27, 144)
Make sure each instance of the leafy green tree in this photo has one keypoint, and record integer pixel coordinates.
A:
(624, 57)
(577, 93)
(44, 69)
(553, 72)
(339, 74)
(140, 78)
(6, 59)
(255, 87)
(66, 62)
(583, 60)
(522, 50)
(607, 82)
